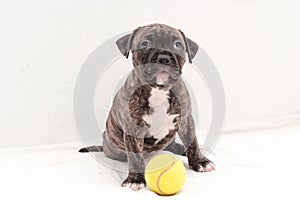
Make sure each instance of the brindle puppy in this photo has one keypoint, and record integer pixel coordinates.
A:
(153, 105)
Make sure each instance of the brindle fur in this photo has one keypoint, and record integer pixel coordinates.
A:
(127, 137)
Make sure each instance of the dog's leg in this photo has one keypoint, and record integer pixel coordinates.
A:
(176, 148)
(197, 161)
(136, 162)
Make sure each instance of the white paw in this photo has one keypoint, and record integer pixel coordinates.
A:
(203, 166)
(134, 186)
(209, 167)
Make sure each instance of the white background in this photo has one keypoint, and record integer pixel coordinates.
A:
(254, 44)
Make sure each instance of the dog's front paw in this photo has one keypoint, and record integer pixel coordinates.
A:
(134, 182)
(202, 165)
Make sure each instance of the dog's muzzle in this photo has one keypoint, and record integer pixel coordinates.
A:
(162, 69)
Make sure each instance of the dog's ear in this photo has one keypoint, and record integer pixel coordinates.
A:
(191, 47)
(125, 43)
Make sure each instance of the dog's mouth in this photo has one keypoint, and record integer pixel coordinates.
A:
(158, 68)
(162, 81)
(161, 69)
(160, 78)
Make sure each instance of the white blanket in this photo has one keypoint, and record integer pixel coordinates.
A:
(254, 165)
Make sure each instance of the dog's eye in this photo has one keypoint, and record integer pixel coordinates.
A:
(145, 44)
(178, 45)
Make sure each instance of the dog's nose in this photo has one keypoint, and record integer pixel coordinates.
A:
(164, 59)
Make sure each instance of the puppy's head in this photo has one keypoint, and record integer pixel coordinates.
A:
(158, 53)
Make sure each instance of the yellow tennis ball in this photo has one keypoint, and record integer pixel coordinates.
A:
(165, 174)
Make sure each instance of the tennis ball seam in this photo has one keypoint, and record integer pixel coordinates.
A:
(162, 173)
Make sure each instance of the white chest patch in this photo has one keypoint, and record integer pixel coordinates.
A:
(160, 121)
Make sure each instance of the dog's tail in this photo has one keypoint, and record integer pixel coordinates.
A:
(91, 149)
